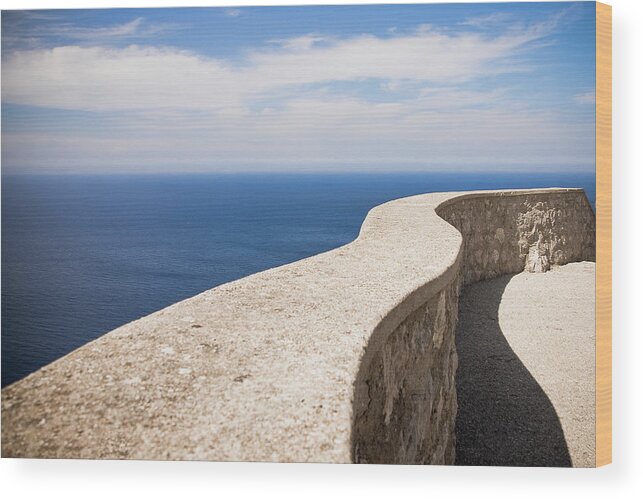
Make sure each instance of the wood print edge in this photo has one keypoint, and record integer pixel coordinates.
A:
(603, 234)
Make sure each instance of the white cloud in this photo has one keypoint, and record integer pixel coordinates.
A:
(302, 43)
(161, 108)
(99, 78)
(16, 37)
(585, 98)
(105, 79)
(344, 134)
(233, 12)
(488, 20)
(119, 30)
(422, 56)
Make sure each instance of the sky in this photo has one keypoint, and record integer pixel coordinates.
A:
(434, 87)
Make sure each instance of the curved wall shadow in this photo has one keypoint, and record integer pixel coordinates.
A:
(504, 417)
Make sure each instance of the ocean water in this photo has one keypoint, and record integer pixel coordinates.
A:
(82, 255)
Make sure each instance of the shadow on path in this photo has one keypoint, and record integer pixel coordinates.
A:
(504, 417)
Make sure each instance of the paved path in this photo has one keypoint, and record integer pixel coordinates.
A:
(526, 370)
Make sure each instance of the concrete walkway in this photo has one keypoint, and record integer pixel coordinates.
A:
(525, 379)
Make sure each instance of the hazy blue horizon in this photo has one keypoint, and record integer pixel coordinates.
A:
(329, 172)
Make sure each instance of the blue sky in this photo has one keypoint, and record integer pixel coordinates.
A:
(475, 87)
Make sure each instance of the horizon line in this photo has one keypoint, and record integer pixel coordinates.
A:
(299, 172)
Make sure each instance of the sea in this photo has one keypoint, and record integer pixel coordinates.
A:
(84, 254)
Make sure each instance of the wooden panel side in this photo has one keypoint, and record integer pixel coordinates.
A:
(603, 234)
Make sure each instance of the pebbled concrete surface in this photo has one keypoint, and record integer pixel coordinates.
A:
(525, 380)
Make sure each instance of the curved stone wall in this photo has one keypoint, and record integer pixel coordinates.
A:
(506, 234)
(405, 403)
(408, 406)
(347, 356)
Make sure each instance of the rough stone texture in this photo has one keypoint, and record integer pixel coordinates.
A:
(411, 385)
(277, 366)
(504, 235)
